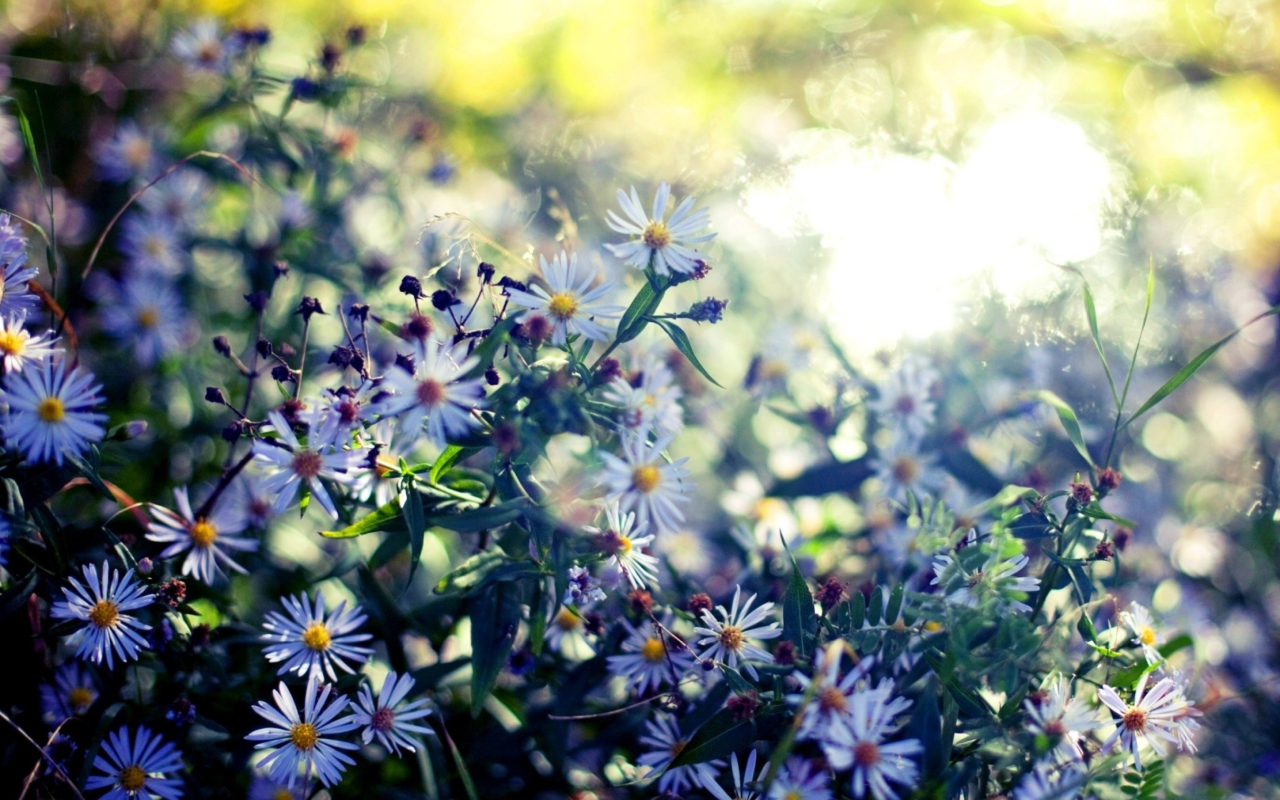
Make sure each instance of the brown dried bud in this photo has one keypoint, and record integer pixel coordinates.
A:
(641, 601)
(1105, 551)
(1121, 538)
(830, 593)
(1081, 492)
(785, 653)
(1108, 480)
(698, 603)
(743, 706)
(418, 327)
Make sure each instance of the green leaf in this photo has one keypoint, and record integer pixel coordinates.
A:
(1092, 313)
(1129, 677)
(1105, 652)
(1032, 525)
(633, 319)
(720, 736)
(495, 618)
(15, 597)
(1175, 644)
(451, 455)
(1095, 511)
(1068, 419)
(463, 774)
(30, 142)
(926, 726)
(471, 572)
(702, 712)
(479, 519)
(416, 521)
(1190, 369)
(682, 343)
(487, 350)
(386, 518)
(799, 620)
(736, 682)
(895, 605)
(1087, 631)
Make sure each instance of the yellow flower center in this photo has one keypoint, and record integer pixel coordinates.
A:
(148, 316)
(304, 735)
(624, 544)
(932, 627)
(132, 778)
(80, 697)
(316, 637)
(104, 614)
(51, 409)
(12, 343)
(656, 235)
(730, 637)
(283, 794)
(1148, 636)
(154, 246)
(653, 650)
(792, 795)
(430, 393)
(563, 305)
(568, 620)
(203, 533)
(645, 478)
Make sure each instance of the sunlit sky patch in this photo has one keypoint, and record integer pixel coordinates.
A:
(909, 233)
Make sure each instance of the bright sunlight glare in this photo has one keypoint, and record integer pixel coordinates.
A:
(908, 235)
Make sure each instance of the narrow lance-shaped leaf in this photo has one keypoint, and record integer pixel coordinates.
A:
(1091, 312)
(1069, 421)
(416, 520)
(1190, 369)
(682, 343)
(495, 617)
(798, 616)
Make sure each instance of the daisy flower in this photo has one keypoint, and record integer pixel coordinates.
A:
(1159, 716)
(860, 744)
(619, 539)
(1046, 783)
(660, 243)
(994, 579)
(19, 348)
(137, 769)
(345, 409)
(129, 153)
(732, 640)
(643, 482)
(205, 539)
(741, 779)
(73, 691)
(799, 779)
(662, 736)
(264, 787)
(305, 741)
(902, 468)
(110, 631)
(566, 633)
(571, 303)
(435, 397)
(152, 244)
(290, 468)
(310, 642)
(49, 411)
(144, 313)
(1054, 713)
(371, 484)
(390, 718)
(646, 661)
(905, 403)
(832, 697)
(1143, 627)
(648, 398)
(202, 46)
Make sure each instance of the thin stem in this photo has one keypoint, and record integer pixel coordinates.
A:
(302, 356)
(43, 754)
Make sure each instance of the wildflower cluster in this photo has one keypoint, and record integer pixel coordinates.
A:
(484, 488)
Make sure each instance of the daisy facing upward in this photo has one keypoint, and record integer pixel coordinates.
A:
(50, 411)
(309, 642)
(662, 243)
(643, 482)
(205, 539)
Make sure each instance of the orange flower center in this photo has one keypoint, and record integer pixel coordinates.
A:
(132, 778)
(304, 735)
(1135, 719)
(905, 469)
(832, 699)
(730, 637)
(568, 620)
(80, 697)
(104, 614)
